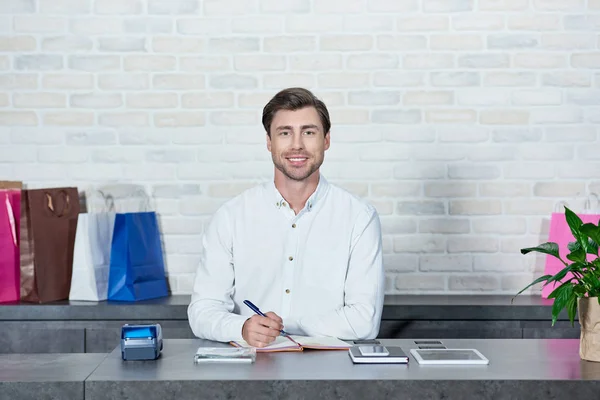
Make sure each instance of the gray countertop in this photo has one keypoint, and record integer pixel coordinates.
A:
(396, 307)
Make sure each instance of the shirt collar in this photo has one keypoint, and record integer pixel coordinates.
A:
(314, 198)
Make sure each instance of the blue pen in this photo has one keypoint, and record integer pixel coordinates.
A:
(256, 310)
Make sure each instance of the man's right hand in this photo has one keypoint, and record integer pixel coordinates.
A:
(261, 331)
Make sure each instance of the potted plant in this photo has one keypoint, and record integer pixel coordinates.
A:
(580, 291)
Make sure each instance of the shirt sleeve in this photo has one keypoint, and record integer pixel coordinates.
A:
(360, 316)
(210, 312)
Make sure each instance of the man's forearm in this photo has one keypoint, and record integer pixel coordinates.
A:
(210, 320)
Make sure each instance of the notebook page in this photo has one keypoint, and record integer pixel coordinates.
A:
(281, 343)
(325, 342)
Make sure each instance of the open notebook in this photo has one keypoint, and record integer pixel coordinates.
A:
(298, 343)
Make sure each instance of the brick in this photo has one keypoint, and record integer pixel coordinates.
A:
(537, 60)
(512, 41)
(348, 116)
(149, 63)
(179, 263)
(313, 23)
(123, 119)
(447, 6)
(36, 136)
(118, 7)
(585, 60)
(125, 81)
(96, 26)
(178, 81)
(151, 25)
(455, 79)
(516, 135)
(203, 26)
(343, 80)
(490, 97)
(94, 63)
(118, 155)
(483, 61)
(568, 41)
(590, 22)
(504, 117)
(583, 170)
(396, 116)
(371, 23)
(4, 63)
(523, 170)
(428, 61)
(571, 134)
(473, 244)
(234, 118)
(478, 22)
(353, 170)
(401, 42)
(284, 7)
(61, 155)
(353, 135)
(373, 98)
(398, 225)
(256, 25)
(558, 189)
(516, 282)
(420, 282)
(4, 100)
(534, 22)
(152, 100)
(372, 61)
(475, 207)
(259, 63)
(421, 170)
(385, 6)
(462, 134)
(279, 81)
(456, 42)
(233, 45)
(503, 5)
(173, 191)
(204, 63)
(233, 81)
(289, 44)
(134, 136)
(422, 23)
(398, 79)
(451, 116)
(444, 225)
(249, 100)
(384, 152)
(67, 7)
(122, 44)
(584, 97)
(445, 263)
(18, 118)
(51, 172)
(91, 138)
(38, 62)
(39, 100)
(17, 154)
(178, 118)
(219, 153)
(229, 7)
(96, 100)
(495, 153)
(69, 118)
(528, 206)
(395, 189)
(17, 6)
(559, 5)
(556, 115)
(419, 244)
(334, 6)
(67, 44)
(17, 43)
(465, 171)
(594, 4)
(400, 263)
(473, 283)
(358, 189)
(228, 190)
(420, 208)
(593, 114)
(97, 172)
(503, 225)
(332, 99)
(567, 79)
(18, 81)
(508, 79)
(383, 207)
(588, 152)
(173, 7)
(536, 97)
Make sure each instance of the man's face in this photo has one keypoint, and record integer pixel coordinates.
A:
(297, 143)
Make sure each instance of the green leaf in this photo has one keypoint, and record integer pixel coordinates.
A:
(561, 274)
(577, 255)
(538, 280)
(592, 247)
(572, 309)
(546, 248)
(574, 223)
(592, 231)
(562, 296)
(574, 246)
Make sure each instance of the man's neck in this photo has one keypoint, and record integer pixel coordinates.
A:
(296, 193)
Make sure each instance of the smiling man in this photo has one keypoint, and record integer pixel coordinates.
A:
(303, 250)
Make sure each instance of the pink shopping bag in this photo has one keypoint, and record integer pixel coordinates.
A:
(10, 214)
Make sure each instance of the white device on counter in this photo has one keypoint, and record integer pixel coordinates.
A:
(449, 357)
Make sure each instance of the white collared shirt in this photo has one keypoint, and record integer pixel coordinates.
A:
(321, 271)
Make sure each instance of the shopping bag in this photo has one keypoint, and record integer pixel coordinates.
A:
(10, 214)
(93, 240)
(48, 226)
(560, 233)
(137, 269)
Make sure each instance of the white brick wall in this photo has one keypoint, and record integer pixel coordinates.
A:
(464, 122)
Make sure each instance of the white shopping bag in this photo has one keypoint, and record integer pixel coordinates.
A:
(93, 238)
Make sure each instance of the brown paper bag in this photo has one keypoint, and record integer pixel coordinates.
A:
(11, 185)
(48, 225)
(589, 319)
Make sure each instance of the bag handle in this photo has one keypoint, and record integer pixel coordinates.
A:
(50, 203)
(11, 219)
(559, 206)
(588, 202)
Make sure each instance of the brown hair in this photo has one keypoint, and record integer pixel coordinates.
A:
(293, 99)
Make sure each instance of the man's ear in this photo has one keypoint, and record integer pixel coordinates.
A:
(327, 140)
(268, 142)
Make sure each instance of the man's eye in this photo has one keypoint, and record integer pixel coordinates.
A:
(309, 133)
(284, 133)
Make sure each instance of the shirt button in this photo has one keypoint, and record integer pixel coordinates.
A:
(287, 291)
(291, 258)
(293, 225)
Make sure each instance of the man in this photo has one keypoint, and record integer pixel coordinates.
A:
(305, 250)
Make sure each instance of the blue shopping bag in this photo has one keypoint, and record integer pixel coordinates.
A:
(137, 270)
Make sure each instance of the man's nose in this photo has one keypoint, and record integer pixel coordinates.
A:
(297, 141)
